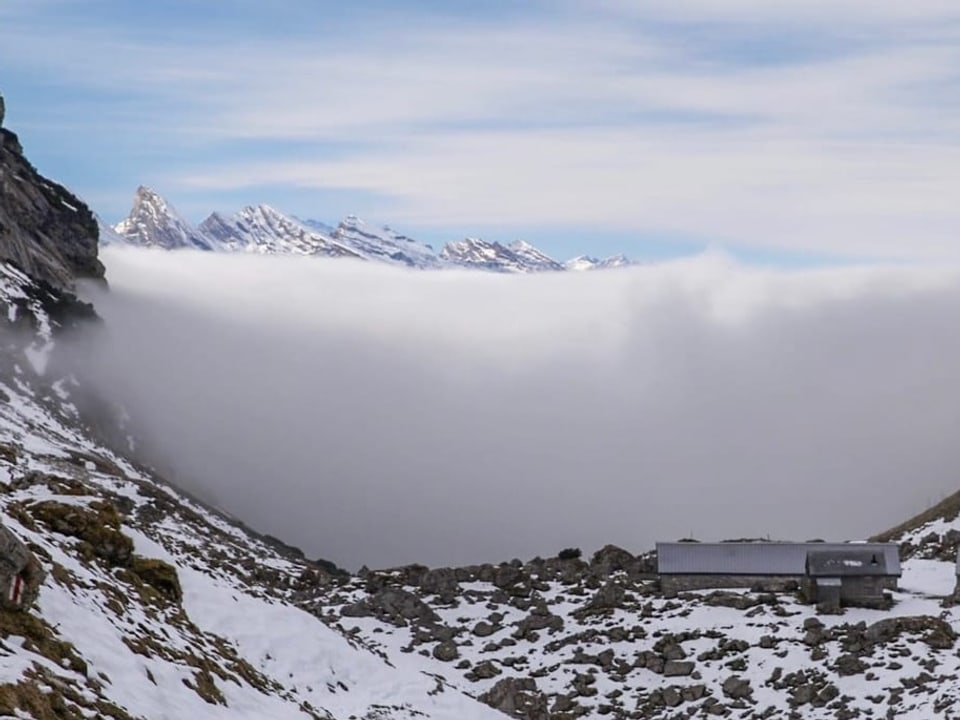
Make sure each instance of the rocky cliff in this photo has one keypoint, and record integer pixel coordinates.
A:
(45, 230)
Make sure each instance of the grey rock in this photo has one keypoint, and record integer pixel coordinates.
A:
(441, 582)
(483, 629)
(507, 576)
(535, 622)
(563, 704)
(677, 668)
(446, 651)
(45, 230)
(736, 687)
(673, 651)
(18, 565)
(517, 697)
(611, 558)
(356, 610)
(671, 696)
(393, 605)
(850, 664)
(485, 670)
(694, 692)
(609, 597)
(803, 694)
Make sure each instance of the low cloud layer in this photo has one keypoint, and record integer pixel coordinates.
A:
(375, 416)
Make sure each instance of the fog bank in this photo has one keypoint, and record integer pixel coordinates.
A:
(377, 416)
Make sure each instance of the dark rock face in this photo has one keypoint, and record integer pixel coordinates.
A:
(518, 697)
(19, 569)
(44, 229)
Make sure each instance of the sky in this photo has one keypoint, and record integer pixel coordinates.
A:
(379, 416)
(786, 133)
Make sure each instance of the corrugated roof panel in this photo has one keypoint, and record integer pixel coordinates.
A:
(757, 558)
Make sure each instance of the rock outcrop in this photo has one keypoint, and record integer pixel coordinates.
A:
(44, 229)
(20, 572)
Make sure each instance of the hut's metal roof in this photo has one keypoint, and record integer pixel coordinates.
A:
(758, 558)
(845, 563)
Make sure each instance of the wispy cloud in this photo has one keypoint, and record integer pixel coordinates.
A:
(680, 118)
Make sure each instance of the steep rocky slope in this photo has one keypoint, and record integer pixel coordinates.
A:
(44, 230)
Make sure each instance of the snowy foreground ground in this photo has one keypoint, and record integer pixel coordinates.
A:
(667, 657)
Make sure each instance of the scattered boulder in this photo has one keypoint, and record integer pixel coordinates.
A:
(441, 582)
(507, 576)
(483, 629)
(850, 664)
(937, 633)
(518, 697)
(160, 575)
(20, 572)
(738, 601)
(611, 558)
(96, 525)
(736, 687)
(393, 605)
(484, 671)
(609, 597)
(535, 622)
(677, 668)
(446, 651)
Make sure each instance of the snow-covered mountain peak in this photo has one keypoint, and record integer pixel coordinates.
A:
(518, 257)
(153, 222)
(384, 244)
(586, 262)
(264, 230)
(533, 257)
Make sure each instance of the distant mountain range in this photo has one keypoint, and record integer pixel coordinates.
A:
(261, 229)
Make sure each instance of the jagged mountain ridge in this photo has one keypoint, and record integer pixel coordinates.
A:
(264, 230)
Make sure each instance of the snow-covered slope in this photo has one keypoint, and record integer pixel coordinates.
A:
(518, 257)
(384, 244)
(263, 230)
(154, 606)
(153, 222)
(585, 262)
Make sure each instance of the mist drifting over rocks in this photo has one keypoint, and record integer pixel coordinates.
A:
(380, 416)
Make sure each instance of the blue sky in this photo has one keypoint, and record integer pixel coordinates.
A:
(783, 132)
